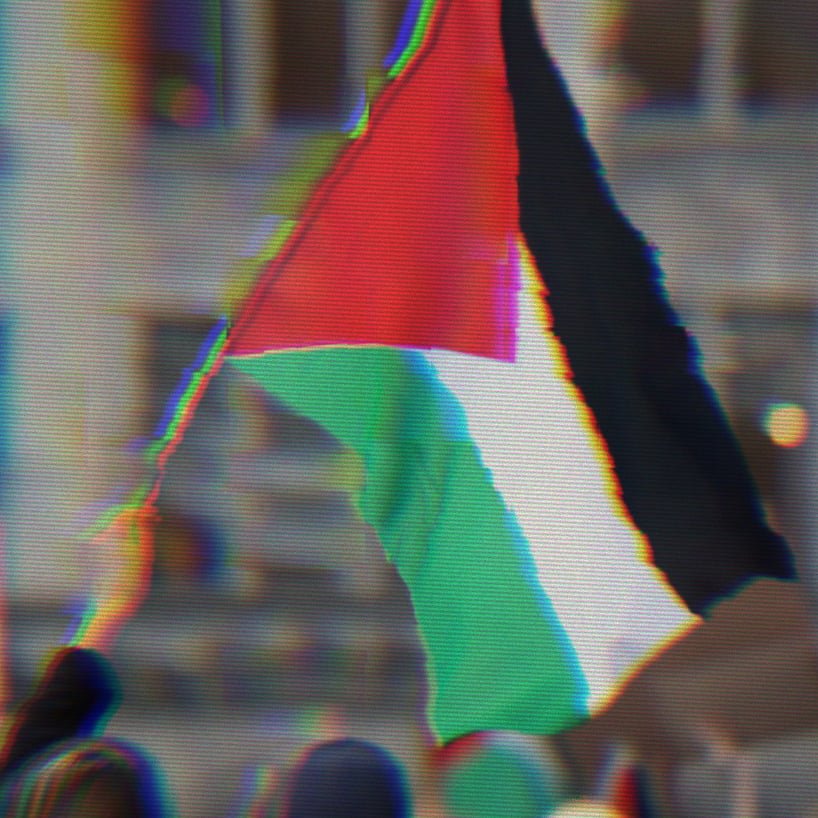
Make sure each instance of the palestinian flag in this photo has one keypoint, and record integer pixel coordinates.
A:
(461, 302)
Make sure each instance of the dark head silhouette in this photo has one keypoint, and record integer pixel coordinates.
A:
(348, 778)
(87, 779)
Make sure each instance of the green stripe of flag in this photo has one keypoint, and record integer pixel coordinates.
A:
(483, 616)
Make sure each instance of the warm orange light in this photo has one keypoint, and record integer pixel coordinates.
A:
(786, 424)
(587, 808)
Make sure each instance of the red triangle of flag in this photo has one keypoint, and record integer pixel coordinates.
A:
(407, 241)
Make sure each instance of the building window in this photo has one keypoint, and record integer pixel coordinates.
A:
(294, 60)
(309, 58)
(174, 345)
(779, 51)
(661, 45)
(314, 45)
(186, 73)
(687, 51)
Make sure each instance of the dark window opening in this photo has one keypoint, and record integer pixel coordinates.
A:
(187, 73)
(779, 51)
(308, 67)
(660, 46)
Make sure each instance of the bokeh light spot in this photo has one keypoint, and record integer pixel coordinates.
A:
(786, 424)
(587, 808)
(182, 102)
(189, 106)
